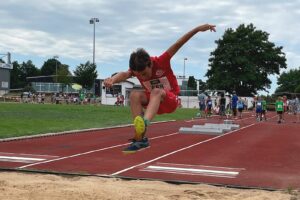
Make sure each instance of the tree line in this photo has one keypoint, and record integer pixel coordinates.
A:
(84, 74)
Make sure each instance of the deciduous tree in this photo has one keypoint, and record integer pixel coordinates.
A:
(288, 81)
(243, 60)
(85, 75)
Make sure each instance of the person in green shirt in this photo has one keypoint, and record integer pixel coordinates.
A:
(279, 109)
(264, 109)
(81, 97)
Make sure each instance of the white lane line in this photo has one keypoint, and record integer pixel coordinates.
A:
(197, 166)
(88, 152)
(179, 150)
(19, 159)
(192, 171)
(26, 155)
(215, 117)
(202, 170)
(75, 131)
(25, 158)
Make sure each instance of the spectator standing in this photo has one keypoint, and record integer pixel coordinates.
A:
(179, 105)
(222, 104)
(21, 97)
(258, 109)
(264, 109)
(291, 106)
(285, 106)
(117, 103)
(201, 99)
(240, 107)
(297, 109)
(122, 100)
(208, 106)
(39, 98)
(43, 98)
(279, 109)
(245, 104)
(254, 104)
(81, 97)
(234, 100)
(57, 98)
(285, 103)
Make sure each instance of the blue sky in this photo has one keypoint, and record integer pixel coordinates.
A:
(38, 30)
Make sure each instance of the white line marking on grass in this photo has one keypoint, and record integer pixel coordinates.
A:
(88, 152)
(179, 150)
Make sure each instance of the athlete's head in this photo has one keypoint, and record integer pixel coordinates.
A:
(140, 63)
(139, 60)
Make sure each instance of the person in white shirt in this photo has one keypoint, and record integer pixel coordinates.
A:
(297, 109)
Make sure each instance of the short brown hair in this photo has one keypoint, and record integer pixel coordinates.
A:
(139, 60)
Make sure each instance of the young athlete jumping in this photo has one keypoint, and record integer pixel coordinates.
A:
(160, 86)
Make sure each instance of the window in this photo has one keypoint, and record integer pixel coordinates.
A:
(114, 90)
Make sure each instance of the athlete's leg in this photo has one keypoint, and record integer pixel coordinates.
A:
(159, 101)
(137, 100)
(157, 95)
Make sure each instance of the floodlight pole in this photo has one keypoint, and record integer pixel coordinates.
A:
(93, 21)
(184, 67)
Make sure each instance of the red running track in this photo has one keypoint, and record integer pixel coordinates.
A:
(258, 155)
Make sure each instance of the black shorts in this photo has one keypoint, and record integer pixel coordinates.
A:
(279, 112)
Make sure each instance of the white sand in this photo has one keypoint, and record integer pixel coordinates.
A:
(43, 187)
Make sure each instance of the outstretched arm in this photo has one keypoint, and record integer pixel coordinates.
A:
(181, 41)
(117, 78)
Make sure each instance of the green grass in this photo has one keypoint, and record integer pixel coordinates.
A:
(31, 119)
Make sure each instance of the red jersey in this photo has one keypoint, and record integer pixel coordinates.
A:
(162, 75)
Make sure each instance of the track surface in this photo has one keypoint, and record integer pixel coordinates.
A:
(258, 155)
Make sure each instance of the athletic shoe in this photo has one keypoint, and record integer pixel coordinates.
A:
(136, 145)
(139, 126)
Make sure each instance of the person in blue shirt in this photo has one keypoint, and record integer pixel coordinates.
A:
(208, 106)
(240, 107)
(258, 109)
(202, 99)
(234, 101)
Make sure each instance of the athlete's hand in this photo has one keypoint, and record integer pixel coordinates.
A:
(108, 82)
(206, 27)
